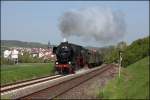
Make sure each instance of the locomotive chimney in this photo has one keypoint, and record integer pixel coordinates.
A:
(64, 40)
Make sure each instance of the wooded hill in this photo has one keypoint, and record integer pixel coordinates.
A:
(137, 50)
(16, 43)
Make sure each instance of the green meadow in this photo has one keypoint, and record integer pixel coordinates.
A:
(23, 71)
(133, 83)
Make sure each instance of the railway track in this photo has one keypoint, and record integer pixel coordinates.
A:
(26, 83)
(14, 86)
(62, 87)
(49, 87)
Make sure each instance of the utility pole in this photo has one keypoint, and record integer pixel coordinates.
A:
(120, 59)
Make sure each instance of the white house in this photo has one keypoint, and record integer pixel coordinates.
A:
(11, 54)
(41, 54)
(14, 54)
(7, 53)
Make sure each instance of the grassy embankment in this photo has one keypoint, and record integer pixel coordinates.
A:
(133, 83)
(13, 73)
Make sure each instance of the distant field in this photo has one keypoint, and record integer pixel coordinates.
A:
(13, 73)
(133, 83)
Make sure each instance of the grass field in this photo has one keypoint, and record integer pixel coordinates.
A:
(13, 73)
(133, 83)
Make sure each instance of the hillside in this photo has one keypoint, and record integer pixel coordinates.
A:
(133, 83)
(137, 50)
(15, 43)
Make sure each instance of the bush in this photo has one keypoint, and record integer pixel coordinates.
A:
(27, 58)
(6, 61)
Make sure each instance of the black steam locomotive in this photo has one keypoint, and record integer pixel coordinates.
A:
(71, 57)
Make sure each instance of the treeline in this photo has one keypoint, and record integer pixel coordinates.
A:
(131, 53)
(27, 58)
(16, 43)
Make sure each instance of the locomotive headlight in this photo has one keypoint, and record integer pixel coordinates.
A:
(56, 63)
(69, 62)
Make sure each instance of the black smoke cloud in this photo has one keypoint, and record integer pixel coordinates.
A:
(100, 24)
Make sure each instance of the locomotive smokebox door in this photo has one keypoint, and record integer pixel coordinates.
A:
(54, 49)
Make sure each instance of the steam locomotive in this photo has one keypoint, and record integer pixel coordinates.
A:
(72, 57)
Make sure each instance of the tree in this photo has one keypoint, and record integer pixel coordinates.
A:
(122, 45)
(25, 58)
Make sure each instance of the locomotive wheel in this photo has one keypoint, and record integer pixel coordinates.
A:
(65, 72)
(72, 70)
(90, 66)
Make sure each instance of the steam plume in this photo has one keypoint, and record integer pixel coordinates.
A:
(100, 24)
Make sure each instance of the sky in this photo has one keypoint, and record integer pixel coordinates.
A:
(37, 21)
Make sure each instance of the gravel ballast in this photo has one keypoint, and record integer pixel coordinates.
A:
(91, 88)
